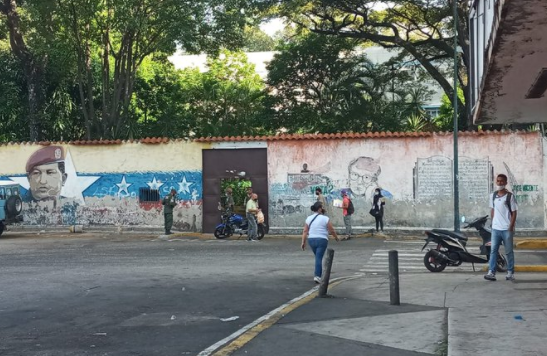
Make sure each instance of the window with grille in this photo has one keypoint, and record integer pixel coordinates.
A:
(149, 195)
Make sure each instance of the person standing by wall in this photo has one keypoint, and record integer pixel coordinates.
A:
(504, 215)
(378, 202)
(347, 206)
(316, 232)
(252, 209)
(169, 202)
(229, 200)
(321, 199)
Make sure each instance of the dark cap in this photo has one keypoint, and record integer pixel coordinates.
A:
(46, 155)
(344, 192)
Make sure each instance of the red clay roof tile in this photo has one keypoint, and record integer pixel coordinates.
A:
(280, 137)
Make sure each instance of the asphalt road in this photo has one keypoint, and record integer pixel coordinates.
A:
(139, 295)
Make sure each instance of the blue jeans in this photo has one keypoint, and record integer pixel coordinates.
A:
(252, 230)
(318, 246)
(497, 237)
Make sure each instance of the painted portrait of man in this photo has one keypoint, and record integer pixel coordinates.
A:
(46, 173)
(363, 176)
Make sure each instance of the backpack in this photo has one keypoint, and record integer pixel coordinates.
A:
(351, 209)
(507, 200)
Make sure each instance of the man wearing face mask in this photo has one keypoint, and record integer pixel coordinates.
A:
(321, 199)
(504, 215)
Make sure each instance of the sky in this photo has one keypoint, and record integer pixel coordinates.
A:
(274, 25)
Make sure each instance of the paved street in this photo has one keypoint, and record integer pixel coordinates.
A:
(140, 295)
(144, 296)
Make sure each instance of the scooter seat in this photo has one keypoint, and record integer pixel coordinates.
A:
(454, 234)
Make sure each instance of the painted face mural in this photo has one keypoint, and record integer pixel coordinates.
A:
(363, 175)
(46, 173)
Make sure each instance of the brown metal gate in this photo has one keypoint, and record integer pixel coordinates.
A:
(216, 166)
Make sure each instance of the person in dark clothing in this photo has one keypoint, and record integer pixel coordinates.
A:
(378, 202)
(169, 202)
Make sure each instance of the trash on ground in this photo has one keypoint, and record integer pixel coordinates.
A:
(173, 317)
(230, 318)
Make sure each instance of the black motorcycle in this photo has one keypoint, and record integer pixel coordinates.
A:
(451, 250)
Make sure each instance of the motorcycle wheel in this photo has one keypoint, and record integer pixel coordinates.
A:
(222, 233)
(501, 263)
(260, 233)
(431, 264)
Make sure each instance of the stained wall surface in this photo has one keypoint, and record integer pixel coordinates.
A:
(106, 184)
(415, 174)
(65, 184)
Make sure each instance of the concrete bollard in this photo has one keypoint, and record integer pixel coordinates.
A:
(76, 229)
(324, 286)
(394, 297)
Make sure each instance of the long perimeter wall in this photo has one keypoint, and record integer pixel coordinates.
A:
(110, 184)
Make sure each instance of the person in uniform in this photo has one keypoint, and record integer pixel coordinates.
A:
(169, 202)
(46, 175)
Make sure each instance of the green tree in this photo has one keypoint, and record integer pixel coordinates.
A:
(422, 29)
(336, 89)
(256, 40)
(227, 99)
(111, 39)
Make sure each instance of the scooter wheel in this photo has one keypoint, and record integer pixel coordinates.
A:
(433, 265)
(260, 232)
(501, 263)
(221, 233)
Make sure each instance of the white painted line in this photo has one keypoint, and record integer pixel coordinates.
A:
(405, 258)
(400, 255)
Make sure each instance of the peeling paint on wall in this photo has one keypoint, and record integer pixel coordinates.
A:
(55, 192)
(415, 173)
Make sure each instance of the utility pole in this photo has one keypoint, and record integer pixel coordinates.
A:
(455, 105)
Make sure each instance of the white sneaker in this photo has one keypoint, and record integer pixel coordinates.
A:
(510, 276)
(317, 280)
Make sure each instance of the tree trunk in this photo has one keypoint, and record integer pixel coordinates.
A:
(30, 65)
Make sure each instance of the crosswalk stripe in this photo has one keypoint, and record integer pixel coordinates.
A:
(410, 256)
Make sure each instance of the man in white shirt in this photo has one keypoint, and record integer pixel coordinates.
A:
(504, 215)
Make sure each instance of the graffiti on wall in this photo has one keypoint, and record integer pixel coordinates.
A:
(55, 193)
(297, 194)
(363, 173)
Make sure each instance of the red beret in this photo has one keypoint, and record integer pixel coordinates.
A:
(46, 155)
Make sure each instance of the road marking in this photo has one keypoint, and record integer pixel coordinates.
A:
(244, 335)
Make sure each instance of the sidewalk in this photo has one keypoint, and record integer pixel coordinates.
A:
(441, 314)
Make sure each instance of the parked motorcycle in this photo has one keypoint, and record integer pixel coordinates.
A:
(235, 224)
(451, 250)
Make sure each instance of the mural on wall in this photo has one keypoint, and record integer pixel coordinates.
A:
(363, 173)
(55, 193)
(298, 193)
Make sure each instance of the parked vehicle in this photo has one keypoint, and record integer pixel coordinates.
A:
(451, 248)
(235, 224)
(11, 205)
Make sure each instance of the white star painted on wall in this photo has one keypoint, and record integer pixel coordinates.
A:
(123, 186)
(154, 184)
(74, 186)
(184, 186)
